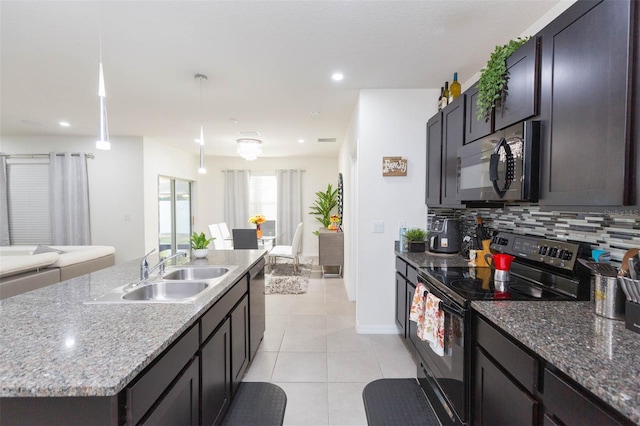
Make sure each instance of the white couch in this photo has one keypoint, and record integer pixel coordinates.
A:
(26, 268)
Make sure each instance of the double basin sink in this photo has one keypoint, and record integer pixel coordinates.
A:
(184, 284)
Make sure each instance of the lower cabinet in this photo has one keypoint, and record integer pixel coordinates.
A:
(497, 399)
(513, 386)
(180, 405)
(401, 306)
(215, 371)
(239, 342)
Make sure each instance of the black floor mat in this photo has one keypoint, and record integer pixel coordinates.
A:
(257, 404)
(389, 402)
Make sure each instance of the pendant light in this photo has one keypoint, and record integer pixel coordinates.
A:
(249, 149)
(202, 169)
(103, 142)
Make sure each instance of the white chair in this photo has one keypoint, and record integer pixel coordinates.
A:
(224, 229)
(290, 252)
(218, 243)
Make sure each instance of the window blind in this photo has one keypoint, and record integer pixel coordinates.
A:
(28, 202)
(263, 194)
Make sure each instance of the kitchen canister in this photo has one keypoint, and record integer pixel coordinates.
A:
(609, 297)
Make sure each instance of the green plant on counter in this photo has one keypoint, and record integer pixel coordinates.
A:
(492, 87)
(200, 241)
(324, 203)
(416, 234)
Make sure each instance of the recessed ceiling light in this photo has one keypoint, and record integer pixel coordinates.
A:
(64, 124)
(337, 76)
(233, 120)
(300, 140)
(315, 114)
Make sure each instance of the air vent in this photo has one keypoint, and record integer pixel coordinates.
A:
(249, 134)
(327, 140)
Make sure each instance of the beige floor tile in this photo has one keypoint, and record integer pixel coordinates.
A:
(347, 341)
(346, 407)
(387, 343)
(300, 367)
(307, 404)
(397, 364)
(306, 322)
(308, 308)
(310, 340)
(261, 368)
(340, 307)
(272, 340)
(276, 321)
(340, 322)
(353, 367)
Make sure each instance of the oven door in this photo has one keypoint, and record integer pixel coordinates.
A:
(443, 378)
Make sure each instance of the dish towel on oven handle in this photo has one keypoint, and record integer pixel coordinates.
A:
(426, 312)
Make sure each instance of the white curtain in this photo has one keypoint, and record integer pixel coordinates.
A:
(69, 195)
(236, 198)
(289, 203)
(4, 207)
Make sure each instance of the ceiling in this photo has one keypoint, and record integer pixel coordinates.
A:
(269, 64)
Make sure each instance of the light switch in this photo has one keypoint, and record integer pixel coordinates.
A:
(378, 226)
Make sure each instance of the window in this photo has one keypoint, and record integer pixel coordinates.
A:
(263, 194)
(28, 201)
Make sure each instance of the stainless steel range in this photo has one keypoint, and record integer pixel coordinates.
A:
(542, 270)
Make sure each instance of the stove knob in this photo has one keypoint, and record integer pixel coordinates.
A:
(543, 250)
(567, 255)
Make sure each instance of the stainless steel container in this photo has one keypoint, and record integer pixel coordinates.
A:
(609, 297)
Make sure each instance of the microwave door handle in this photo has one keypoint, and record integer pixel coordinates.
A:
(494, 160)
(432, 242)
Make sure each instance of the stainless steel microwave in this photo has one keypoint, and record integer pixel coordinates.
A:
(504, 166)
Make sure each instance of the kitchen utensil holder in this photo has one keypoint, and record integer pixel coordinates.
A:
(609, 298)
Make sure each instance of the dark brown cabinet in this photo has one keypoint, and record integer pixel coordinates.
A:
(239, 342)
(521, 101)
(588, 78)
(497, 399)
(180, 405)
(216, 374)
(475, 129)
(401, 309)
(442, 154)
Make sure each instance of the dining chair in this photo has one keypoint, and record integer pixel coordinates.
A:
(289, 252)
(269, 228)
(224, 229)
(218, 243)
(245, 239)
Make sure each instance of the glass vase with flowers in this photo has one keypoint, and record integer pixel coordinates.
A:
(258, 220)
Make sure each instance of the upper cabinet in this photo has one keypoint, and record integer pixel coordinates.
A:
(445, 134)
(587, 86)
(473, 128)
(521, 101)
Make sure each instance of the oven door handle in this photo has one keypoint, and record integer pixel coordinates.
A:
(446, 308)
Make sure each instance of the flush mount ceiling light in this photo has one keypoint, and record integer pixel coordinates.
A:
(249, 149)
(103, 141)
(337, 76)
(64, 124)
(202, 169)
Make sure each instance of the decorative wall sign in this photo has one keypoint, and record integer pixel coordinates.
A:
(394, 166)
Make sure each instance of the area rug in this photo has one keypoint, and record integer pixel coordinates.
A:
(281, 278)
(257, 404)
(397, 402)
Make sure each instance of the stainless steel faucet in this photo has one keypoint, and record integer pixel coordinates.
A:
(145, 270)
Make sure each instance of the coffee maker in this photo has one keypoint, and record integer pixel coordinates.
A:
(444, 235)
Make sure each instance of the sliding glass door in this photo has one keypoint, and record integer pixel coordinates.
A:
(174, 214)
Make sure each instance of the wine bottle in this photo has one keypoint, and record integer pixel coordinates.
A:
(454, 90)
(441, 99)
(446, 93)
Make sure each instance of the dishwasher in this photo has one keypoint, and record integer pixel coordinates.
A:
(257, 309)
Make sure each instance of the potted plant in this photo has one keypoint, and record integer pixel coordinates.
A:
(325, 202)
(200, 245)
(416, 240)
(492, 87)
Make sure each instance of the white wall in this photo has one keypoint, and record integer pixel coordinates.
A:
(163, 160)
(319, 172)
(391, 123)
(115, 186)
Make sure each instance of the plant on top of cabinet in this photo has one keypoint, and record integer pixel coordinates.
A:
(494, 78)
(323, 205)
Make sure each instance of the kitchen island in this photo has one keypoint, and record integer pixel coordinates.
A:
(56, 347)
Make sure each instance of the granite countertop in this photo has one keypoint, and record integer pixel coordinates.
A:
(428, 259)
(53, 344)
(598, 353)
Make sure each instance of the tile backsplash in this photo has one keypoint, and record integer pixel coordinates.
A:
(616, 231)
